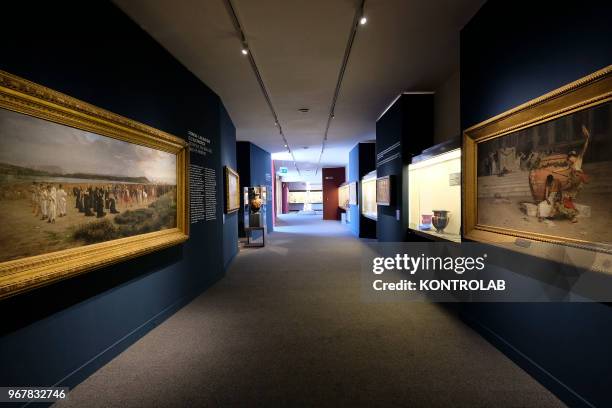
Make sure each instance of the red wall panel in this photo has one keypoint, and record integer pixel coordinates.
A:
(332, 178)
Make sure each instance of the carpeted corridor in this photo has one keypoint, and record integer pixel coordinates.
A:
(287, 326)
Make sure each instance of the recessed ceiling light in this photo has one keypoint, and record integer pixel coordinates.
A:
(245, 51)
(363, 20)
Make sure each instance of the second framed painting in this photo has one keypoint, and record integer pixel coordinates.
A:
(542, 171)
(232, 190)
(81, 187)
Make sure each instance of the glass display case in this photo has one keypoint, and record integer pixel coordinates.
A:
(343, 196)
(434, 194)
(369, 208)
(254, 207)
(353, 193)
(301, 197)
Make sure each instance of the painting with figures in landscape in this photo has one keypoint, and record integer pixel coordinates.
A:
(553, 178)
(62, 187)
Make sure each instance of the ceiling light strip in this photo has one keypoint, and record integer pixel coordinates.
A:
(249, 54)
(347, 53)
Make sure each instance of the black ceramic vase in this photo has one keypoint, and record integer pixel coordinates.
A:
(440, 220)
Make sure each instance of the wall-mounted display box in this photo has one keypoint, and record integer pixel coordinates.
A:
(383, 190)
(369, 208)
(300, 197)
(353, 193)
(343, 196)
(434, 193)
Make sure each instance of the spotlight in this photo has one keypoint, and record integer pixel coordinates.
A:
(245, 51)
(363, 20)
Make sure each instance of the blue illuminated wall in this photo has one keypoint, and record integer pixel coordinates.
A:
(362, 160)
(512, 53)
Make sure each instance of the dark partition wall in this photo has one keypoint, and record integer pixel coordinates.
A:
(509, 55)
(405, 130)
(255, 169)
(90, 50)
(227, 135)
(362, 160)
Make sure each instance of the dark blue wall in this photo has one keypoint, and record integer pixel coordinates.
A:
(255, 169)
(511, 53)
(362, 160)
(408, 122)
(61, 333)
(228, 158)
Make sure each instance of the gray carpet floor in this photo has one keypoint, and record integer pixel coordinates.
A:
(287, 327)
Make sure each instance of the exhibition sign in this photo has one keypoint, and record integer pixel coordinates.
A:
(542, 170)
(81, 187)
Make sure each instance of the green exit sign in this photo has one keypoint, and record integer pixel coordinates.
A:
(282, 170)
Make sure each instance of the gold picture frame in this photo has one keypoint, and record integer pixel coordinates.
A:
(25, 97)
(232, 190)
(383, 191)
(592, 91)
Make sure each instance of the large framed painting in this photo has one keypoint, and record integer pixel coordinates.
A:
(232, 190)
(543, 170)
(80, 187)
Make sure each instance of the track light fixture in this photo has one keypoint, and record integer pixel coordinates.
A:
(358, 18)
(245, 51)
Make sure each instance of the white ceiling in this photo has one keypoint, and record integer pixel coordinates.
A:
(407, 45)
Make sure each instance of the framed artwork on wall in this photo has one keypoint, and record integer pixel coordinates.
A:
(542, 171)
(353, 193)
(82, 187)
(232, 190)
(383, 190)
(343, 196)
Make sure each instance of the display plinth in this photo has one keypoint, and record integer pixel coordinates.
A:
(434, 196)
(254, 211)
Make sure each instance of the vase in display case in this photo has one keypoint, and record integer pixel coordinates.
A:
(440, 220)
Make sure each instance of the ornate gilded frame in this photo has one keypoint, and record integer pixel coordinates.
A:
(20, 95)
(384, 191)
(229, 172)
(587, 92)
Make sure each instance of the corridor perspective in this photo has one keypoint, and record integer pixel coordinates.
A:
(306, 203)
(287, 326)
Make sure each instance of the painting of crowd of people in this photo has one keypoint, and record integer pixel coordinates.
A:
(62, 187)
(552, 178)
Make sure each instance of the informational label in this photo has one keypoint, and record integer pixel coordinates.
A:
(197, 210)
(199, 144)
(454, 179)
(210, 195)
